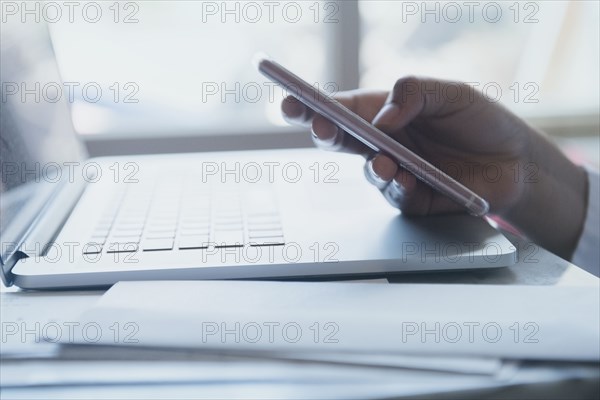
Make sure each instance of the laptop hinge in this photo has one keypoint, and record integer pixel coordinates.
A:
(51, 218)
(6, 273)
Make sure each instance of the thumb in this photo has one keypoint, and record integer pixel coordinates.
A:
(387, 116)
(403, 104)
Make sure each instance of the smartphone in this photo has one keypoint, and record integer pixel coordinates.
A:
(372, 137)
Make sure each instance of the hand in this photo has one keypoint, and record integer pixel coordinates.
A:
(525, 178)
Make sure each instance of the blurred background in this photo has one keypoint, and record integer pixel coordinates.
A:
(178, 73)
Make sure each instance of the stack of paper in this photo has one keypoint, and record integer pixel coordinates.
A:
(516, 322)
(313, 340)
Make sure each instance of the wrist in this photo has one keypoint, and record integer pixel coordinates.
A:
(552, 207)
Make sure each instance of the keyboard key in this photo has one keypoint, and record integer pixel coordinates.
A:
(267, 241)
(194, 242)
(195, 224)
(199, 215)
(93, 248)
(238, 219)
(229, 227)
(97, 239)
(132, 210)
(229, 239)
(128, 227)
(132, 221)
(127, 233)
(194, 232)
(265, 234)
(264, 227)
(104, 226)
(160, 235)
(101, 232)
(163, 217)
(125, 239)
(261, 218)
(228, 213)
(122, 247)
(162, 222)
(157, 244)
(162, 229)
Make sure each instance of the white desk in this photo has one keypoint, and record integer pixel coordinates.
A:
(538, 268)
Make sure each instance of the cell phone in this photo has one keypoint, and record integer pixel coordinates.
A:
(372, 137)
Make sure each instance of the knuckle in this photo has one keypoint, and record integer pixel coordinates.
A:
(408, 83)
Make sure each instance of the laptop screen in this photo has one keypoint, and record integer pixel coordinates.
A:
(37, 141)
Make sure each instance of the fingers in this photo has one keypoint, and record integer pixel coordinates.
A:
(410, 98)
(296, 113)
(404, 191)
(327, 135)
(413, 97)
(365, 103)
(414, 197)
(380, 170)
(399, 187)
(404, 103)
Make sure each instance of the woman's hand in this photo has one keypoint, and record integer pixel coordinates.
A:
(524, 177)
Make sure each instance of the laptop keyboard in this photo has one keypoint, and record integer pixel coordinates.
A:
(171, 216)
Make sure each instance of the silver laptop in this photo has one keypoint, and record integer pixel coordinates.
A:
(71, 221)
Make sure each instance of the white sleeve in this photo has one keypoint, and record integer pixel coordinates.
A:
(587, 253)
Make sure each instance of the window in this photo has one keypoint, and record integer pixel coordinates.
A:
(183, 66)
(538, 58)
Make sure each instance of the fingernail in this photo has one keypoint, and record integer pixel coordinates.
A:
(372, 176)
(330, 135)
(386, 168)
(394, 194)
(386, 115)
(398, 188)
(292, 109)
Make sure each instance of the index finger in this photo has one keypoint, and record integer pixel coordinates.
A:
(365, 103)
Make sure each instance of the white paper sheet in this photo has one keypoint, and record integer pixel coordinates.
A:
(26, 318)
(519, 322)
